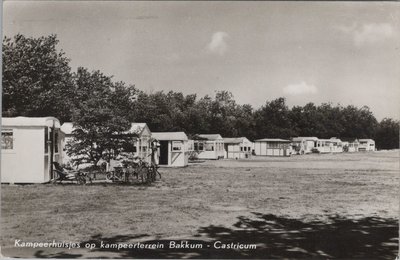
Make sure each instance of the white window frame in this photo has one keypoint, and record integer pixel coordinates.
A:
(8, 130)
(176, 144)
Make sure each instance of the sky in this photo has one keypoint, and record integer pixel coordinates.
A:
(339, 52)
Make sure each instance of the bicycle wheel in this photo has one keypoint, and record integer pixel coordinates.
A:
(110, 176)
(152, 174)
(142, 173)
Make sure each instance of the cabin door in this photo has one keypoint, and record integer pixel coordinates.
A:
(164, 152)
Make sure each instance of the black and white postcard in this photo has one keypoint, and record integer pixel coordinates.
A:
(200, 129)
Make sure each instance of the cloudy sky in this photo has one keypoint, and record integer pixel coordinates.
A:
(345, 53)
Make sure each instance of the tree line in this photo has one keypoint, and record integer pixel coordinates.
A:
(38, 81)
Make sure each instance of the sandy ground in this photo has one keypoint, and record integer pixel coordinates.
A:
(296, 207)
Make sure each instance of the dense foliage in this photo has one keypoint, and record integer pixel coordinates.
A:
(99, 109)
(37, 81)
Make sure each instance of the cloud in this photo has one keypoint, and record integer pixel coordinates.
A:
(218, 43)
(299, 89)
(372, 33)
(369, 33)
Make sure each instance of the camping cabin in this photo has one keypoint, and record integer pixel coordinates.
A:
(353, 146)
(303, 145)
(272, 147)
(237, 148)
(336, 145)
(173, 148)
(323, 145)
(143, 142)
(29, 145)
(209, 146)
(366, 145)
(332, 145)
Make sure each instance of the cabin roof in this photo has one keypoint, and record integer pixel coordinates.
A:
(366, 140)
(235, 140)
(273, 140)
(30, 121)
(170, 136)
(67, 128)
(211, 137)
(307, 138)
(138, 128)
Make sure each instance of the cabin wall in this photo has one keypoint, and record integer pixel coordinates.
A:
(25, 163)
(308, 146)
(143, 146)
(272, 149)
(368, 146)
(178, 157)
(211, 150)
(324, 147)
(238, 151)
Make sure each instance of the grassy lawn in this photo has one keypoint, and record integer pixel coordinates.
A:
(339, 205)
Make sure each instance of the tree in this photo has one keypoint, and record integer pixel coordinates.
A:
(273, 120)
(245, 125)
(100, 116)
(37, 79)
(222, 110)
(387, 134)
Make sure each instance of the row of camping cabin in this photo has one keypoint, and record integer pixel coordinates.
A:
(30, 145)
(305, 145)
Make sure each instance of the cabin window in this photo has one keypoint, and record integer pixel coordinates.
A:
(7, 139)
(176, 146)
(199, 146)
(209, 147)
(241, 149)
(272, 145)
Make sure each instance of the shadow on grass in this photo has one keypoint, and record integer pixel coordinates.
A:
(275, 237)
(42, 254)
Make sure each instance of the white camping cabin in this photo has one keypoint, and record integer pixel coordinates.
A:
(173, 148)
(350, 147)
(353, 146)
(143, 143)
(366, 145)
(303, 145)
(209, 146)
(332, 145)
(29, 145)
(337, 146)
(272, 147)
(324, 145)
(237, 148)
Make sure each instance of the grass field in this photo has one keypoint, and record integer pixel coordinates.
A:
(333, 205)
